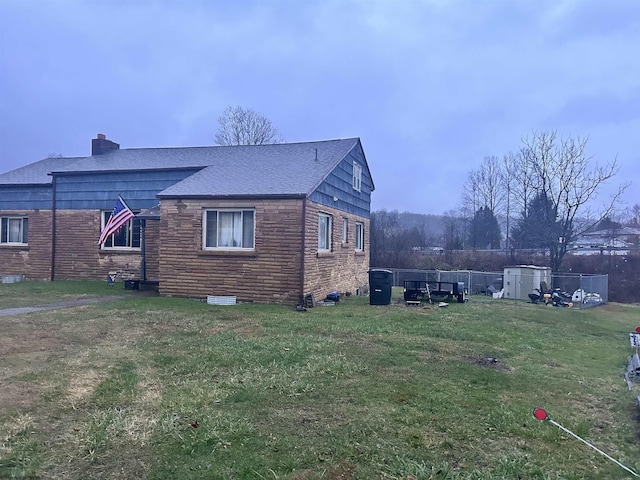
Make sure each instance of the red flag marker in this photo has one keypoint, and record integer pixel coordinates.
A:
(540, 414)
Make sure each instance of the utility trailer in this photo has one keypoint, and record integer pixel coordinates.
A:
(415, 290)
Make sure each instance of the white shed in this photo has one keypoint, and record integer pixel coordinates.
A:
(521, 280)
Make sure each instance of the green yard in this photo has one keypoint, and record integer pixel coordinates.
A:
(160, 388)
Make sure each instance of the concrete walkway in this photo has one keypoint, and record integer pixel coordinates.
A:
(54, 306)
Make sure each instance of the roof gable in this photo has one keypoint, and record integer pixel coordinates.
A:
(279, 169)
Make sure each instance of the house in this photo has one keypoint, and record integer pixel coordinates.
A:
(264, 223)
(613, 241)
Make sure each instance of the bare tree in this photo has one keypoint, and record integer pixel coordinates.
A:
(390, 242)
(524, 182)
(509, 168)
(560, 169)
(485, 188)
(470, 199)
(243, 126)
(491, 185)
(630, 216)
(454, 234)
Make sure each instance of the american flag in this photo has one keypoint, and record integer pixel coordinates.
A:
(120, 215)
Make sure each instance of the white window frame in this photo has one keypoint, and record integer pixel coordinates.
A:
(325, 224)
(345, 230)
(359, 236)
(5, 230)
(250, 241)
(357, 176)
(128, 229)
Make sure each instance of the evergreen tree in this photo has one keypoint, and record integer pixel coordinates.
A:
(538, 226)
(484, 231)
(453, 234)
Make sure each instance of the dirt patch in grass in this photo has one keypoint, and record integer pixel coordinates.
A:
(242, 328)
(82, 385)
(307, 420)
(23, 346)
(30, 344)
(22, 342)
(342, 471)
(613, 307)
(490, 362)
(18, 395)
(24, 337)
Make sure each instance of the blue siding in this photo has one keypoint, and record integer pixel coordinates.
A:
(339, 184)
(25, 197)
(100, 190)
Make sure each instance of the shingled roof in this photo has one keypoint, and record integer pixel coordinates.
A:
(275, 169)
(36, 173)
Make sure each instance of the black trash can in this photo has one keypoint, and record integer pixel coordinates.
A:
(458, 291)
(380, 283)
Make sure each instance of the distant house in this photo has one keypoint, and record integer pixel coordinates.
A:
(618, 241)
(265, 223)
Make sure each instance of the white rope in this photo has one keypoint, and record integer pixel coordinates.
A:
(594, 447)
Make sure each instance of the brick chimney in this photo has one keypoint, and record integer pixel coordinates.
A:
(101, 145)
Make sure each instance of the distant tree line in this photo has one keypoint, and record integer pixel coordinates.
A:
(535, 199)
(392, 239)
(543, 191)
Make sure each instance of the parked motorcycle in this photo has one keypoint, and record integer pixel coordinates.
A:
(536, 296)
(560, 298)
(555, 297)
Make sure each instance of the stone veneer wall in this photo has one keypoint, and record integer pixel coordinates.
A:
(342, 269)
(78, 255)
(34, 259)
(271, 273)
(152, 250)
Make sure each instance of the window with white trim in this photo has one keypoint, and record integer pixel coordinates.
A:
(345, 230)
(127, 237)
(14, 230)
(229, 229)
(324, 232)
(357, 176)
(359, 237)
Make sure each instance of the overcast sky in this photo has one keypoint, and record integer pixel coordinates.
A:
(431, 87)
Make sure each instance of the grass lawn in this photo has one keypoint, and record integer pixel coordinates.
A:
(161, 388)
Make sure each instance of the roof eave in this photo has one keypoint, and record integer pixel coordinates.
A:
(21, 185)
(131, 170)
(268, 196)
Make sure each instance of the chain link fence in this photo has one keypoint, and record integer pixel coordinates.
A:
(531, 284)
